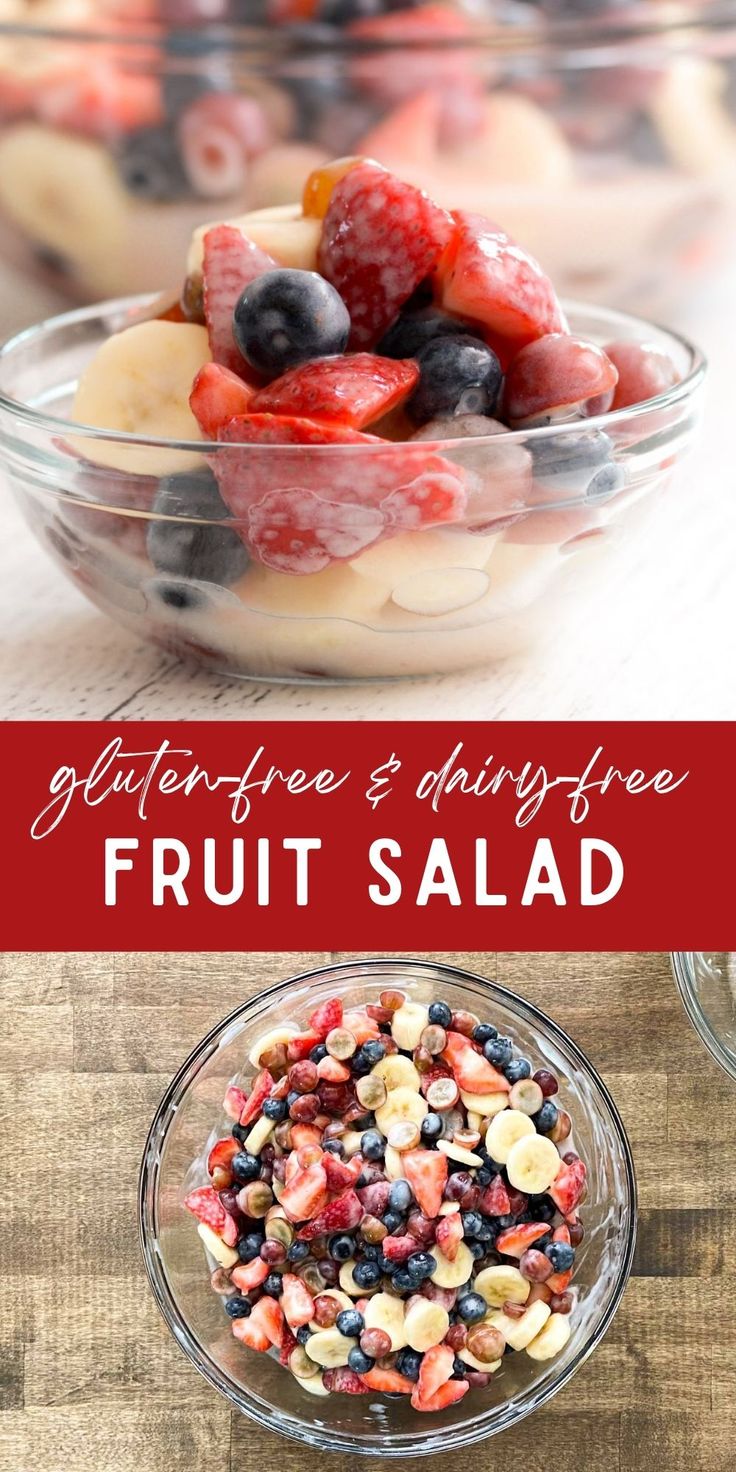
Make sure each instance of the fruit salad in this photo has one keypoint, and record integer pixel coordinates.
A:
(395, 1207)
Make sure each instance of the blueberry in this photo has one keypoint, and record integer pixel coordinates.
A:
(350, 1323)
(409, 1363)
(182, 596)
(245, 1167)
(272, 1285)
(420, 1265)
(402, 1281)
(286, 317)
(484, 1033)
(431, 1127)
(393, 1221)
(366, 1274)
(546, 1118)
(359, 1064)
(459, 1368)
(374, 1051)
(542, 1209)
(483, 1177)
(499, 1051)
(193, 545)
(335, 1147)
(237, 1307)
(560, 1255)
(341, 1248)
(303, 1335)
(371, 1251)
(400, 1196)
(298, 1251)
(477, 1250)
(472, 1223)
(405, 339)
(387, 1266)
(606, 482)
(583, 464)
(372, 1145)
(440, 1015)
(249, 1246)
(457, 375)
(516, 1070)
(239, 1132)
(275, 1109)
(359, 1362)
(472, 1308)
(318, 1053)
(150, 164)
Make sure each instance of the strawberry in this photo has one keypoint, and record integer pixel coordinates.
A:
(409, 132)
(217, 396)
(295, 531)
(363, 1028)
(305, 1134)
(333, 1071)
(296, 1301)
(447, 1395)
(251, 1333)
(305, 1194)
(341, 1174)
(567, 1187)
(222, 1153)
(473, 1073)
(426, 1172)
(495, 1199)
(250, 1275)
(288, 1345)
(397, 1249)
(101, 101)
(435, 1371)
(388, 1381)
(230, 262)
(437, 67)
(429, 500)
(262, 1086)
(353, 390)
(234, 1102)
(380, 239)
(340, 1215)
(301, 1046)
(450, 1234)
(329, 1014)
(515, 1240)
(485, 277)
(345, 1380)
(205, 1204)
(267, 1315)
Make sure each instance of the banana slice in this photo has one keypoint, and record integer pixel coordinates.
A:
(459, 1152)
(139, 382)
(270, 1039)
(226, 1256)
(397, 1072)
(485, 1105)
(314, 1384)
(551, 1339)
(281, 230)
(260, 1133)
(401, 1104)
(476, 1364)
(387, 1313)
(350, 1142)
(520, 1332)
(503, 1132)
(392, 1165)
(448, 1207)
(532, 1163)
(408, 1024)
(348, 1283)
(329, 1348)
(452, 1274)
(425, 1324)
(502, 1284)
(340, 1298)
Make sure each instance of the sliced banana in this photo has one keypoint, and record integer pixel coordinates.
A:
(452, 1274)
(520, 1332)
(476, 1364)
(314, 1384)
(83, 222)
(425, 1324)
(281, 230)
(408, 1024)
(551, 1339)
(532, 1163)
(387, 1313)
(441, 591)
(392, 1165)
(351, 1142)
(397, 1072)
(226, 1256)
(348, 1283)
(401, 1104)
(139, 383)
(271, 1039)
(260, 1133)
(503, 1132)
(448, 1208)
(502, 1284)
(340, 1298)
(329, 1348)
(485, 1105)
(459, 1152)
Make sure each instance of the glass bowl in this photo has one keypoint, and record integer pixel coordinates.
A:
(401, 599)
(189, 1114)
(707, 984)
(602, 137)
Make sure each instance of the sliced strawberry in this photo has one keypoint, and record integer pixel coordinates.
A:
(217, 396)
(205, 1204)
(407, 134)
(495, 1199)
(397, 1249)
(515, 1240)
(230, 263)
(388, 1381)
(288, 1345)
(250, 1275)
(333, 1071)
(252, 1334)
(473, 1073)
(447, 1395)
(260, 1092)
(305, 1134)
(305, 1194)
(296, 1301)
(340, 1215)
(222, 1153)
(568, 1185)
(424, 53)
(380, 239)
(426, 1172)
(297, 532)
(435, 1370)
(301, 1046)
(341, 1174)
(345, 1380)
(353, 390)
(363, 1027)
(267, 1315)
(329, 1014)
(234, 1102)
(433, 498)
(485, 277)
(450, 1234)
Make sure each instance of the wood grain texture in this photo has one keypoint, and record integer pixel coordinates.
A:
(90, 1379)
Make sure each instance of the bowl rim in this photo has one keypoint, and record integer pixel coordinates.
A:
(157, 1279)
(682, 970)
(137, 305)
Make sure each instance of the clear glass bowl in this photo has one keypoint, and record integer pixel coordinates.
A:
(707, 984)
(423, 601)
(189, 1114)
(605, 140)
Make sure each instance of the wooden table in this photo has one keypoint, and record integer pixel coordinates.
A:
(91, 1380)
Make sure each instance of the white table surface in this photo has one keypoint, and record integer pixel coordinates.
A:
(656, 641)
